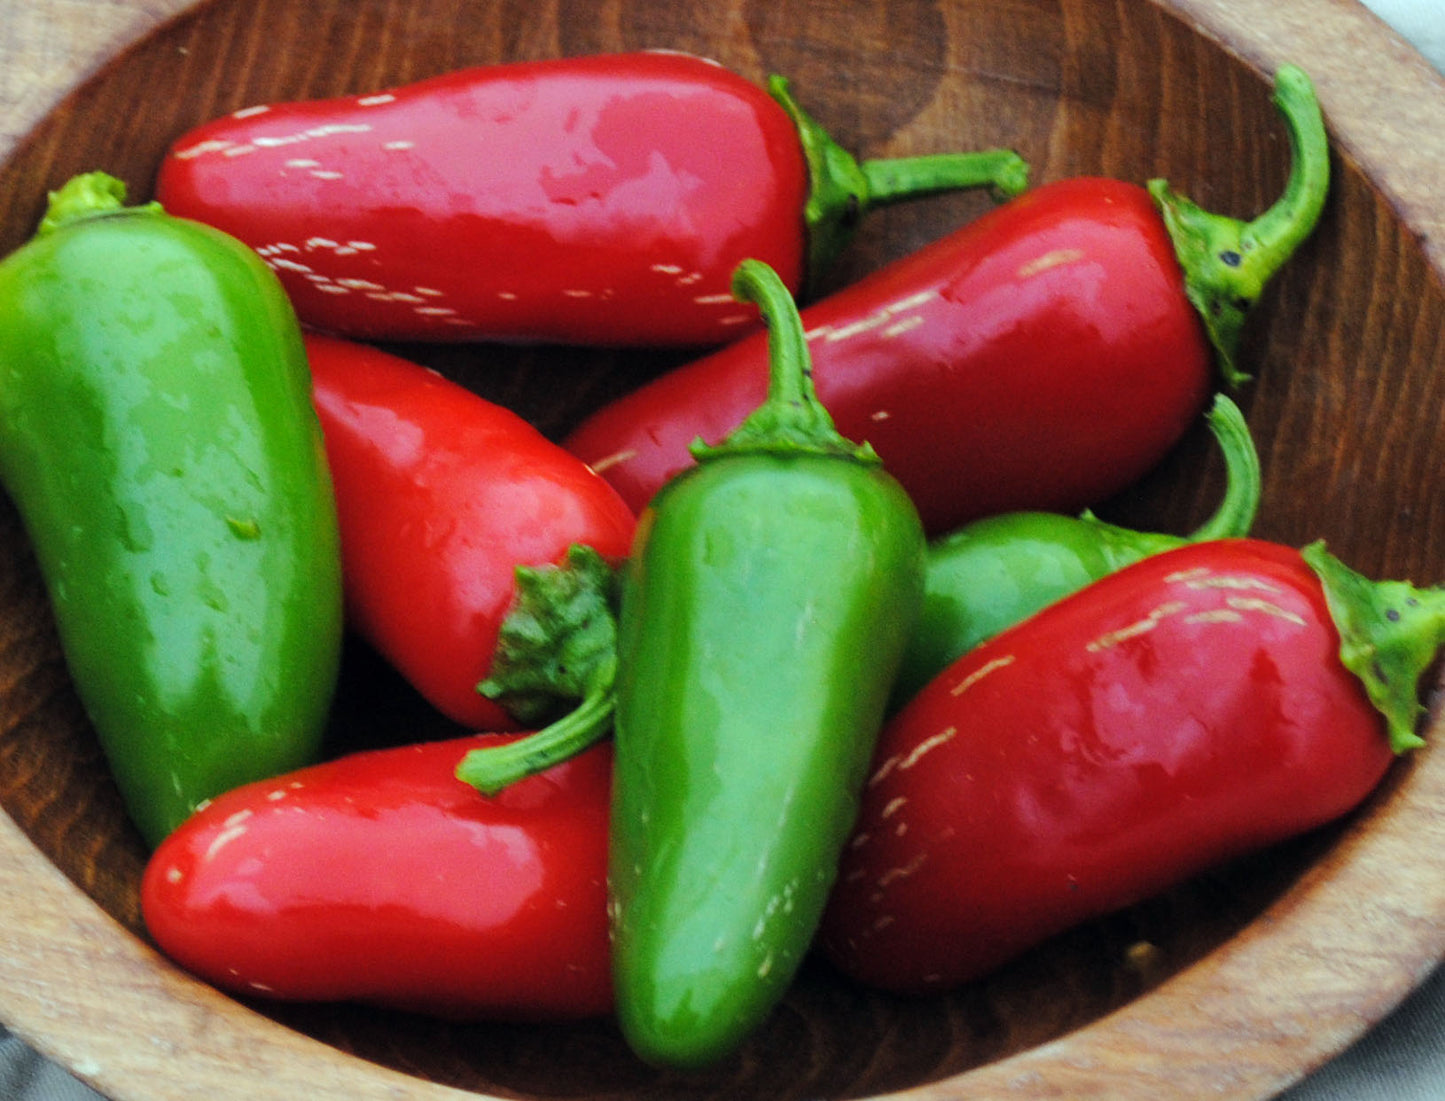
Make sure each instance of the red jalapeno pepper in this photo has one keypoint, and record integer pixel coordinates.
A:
(441, 495)
(381, 878)
(594, 199)
(1202, 703)
(1044, 356)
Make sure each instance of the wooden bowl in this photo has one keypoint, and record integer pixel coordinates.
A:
(1260, 971)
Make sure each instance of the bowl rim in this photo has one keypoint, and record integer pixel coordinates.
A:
(1227, 1025)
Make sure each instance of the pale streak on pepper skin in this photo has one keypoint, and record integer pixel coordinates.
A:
(899, 763)
(1205, 579)
(978, 674)
(1133, 630)
(623, 456)
(894, 318)
(1243, 604)
(1056, 258)
(422, 300)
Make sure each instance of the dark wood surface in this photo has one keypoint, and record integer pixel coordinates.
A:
(1260, 971)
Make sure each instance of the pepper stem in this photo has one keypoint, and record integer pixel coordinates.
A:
(493, 768)
(89, 195)
(841, 190)
(1390, 634)
(791, 419)
(1227, 262)
(901, 179)
(558, 645)
(1240, 504)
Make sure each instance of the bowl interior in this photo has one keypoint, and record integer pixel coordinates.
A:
(1345, 408)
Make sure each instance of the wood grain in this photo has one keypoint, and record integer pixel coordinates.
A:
(1255, 974)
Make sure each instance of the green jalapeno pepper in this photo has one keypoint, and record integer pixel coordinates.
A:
(158, 439)
(764, 609)
(998, 571)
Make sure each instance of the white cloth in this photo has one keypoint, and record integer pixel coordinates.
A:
(25, 1076)
(1420, 21)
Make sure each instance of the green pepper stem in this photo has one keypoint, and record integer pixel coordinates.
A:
(558, 643)
(493, 768)
(841, 190)
(89, 195)
(1227, 262)
(1238, 508)
(1390, 634)
(901, 179)
(791, 419)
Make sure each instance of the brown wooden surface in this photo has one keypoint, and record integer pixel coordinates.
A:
(1262, 971)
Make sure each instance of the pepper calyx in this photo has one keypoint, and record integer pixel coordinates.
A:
(86, 196)
(791, 420)
(837, 189)
(841, 190)
(558, 640)
(557, 647)
(1390, 633)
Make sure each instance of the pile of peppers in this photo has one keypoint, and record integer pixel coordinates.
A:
(812, 645)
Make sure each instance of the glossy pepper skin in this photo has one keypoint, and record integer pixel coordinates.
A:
(380, 878)
(599, 200)
(763, 610)
(157, 437)
(441, 496)
(1042, 357)
(1194, 706)
(999, 570)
